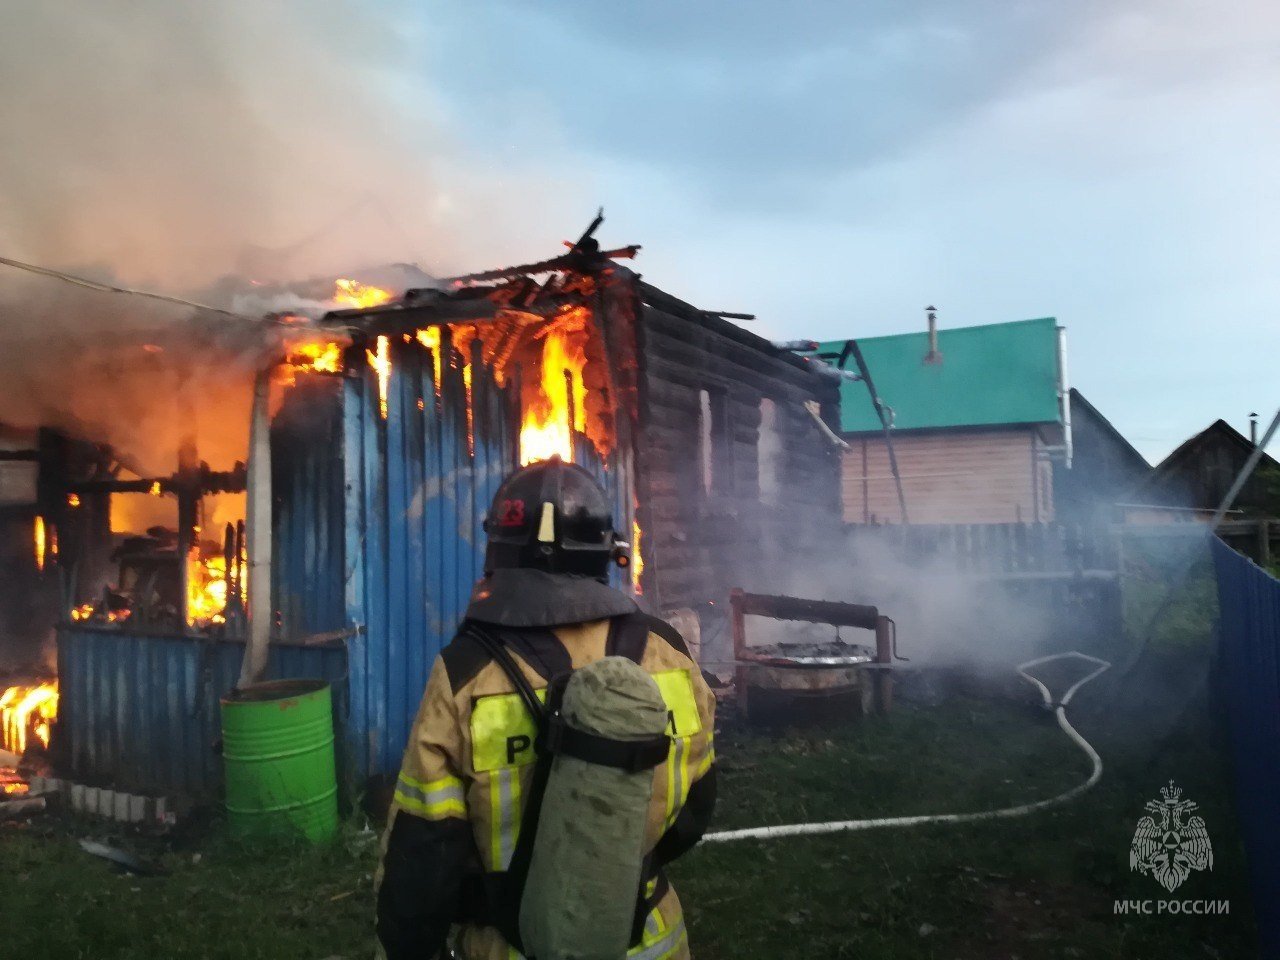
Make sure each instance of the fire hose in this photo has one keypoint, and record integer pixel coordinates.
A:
(1060, 713)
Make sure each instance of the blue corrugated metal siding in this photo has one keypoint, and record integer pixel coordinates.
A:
(415, 492)
(141, 711)
(307, 563)
(1249, 604)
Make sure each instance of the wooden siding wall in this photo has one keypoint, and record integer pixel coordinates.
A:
(698, 545)
(960, 476)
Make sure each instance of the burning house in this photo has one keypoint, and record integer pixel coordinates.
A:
(391, 425)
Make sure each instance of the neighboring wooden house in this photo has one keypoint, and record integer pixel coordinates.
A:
(1190, 483)
(1105, 468)
(978, 418)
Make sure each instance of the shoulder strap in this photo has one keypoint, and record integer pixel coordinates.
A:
(463, 657)
(628, 636)
(668, 633)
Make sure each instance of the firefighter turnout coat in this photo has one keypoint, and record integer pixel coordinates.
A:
(460, 795)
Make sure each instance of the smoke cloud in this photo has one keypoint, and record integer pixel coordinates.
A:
(168, 146)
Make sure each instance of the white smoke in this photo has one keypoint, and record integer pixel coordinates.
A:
(166, 146)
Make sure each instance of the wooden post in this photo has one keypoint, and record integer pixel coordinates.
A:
(884, 664)
(1264, 543)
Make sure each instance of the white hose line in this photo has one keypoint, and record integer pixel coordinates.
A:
(1059, 710)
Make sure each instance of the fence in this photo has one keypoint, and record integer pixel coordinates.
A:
(1249, 605)
(142, 711)
(1013, 549)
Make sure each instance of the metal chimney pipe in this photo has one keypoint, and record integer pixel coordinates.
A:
(1253, 428)
(933, 356)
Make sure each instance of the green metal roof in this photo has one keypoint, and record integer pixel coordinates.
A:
(995, 374)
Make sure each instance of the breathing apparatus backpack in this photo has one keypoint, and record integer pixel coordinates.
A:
(574, 889)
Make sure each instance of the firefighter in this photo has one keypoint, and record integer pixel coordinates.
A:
(463, 822)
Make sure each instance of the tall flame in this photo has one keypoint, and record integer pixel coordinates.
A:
(352, 293)
(27, 709)
(207, 589)
(637, 559)
(41, 542)
(560, 408)
(380, 360)
(430, 338)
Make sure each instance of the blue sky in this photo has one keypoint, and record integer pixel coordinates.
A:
(830, 166)
(834, 167)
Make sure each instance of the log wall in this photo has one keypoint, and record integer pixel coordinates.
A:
(699, 543)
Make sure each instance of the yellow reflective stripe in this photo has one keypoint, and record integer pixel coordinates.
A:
(435, 800)
(661, 948)
(683, 718)
(502, 732)
(677, 777)
(708, 758)
(427, 786)
(504, 816)
(432, 811)
(653, 927)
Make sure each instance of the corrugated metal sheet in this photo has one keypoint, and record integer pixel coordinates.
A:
(308, 555)
(415, 487)
(1249, 612)
(141, 711)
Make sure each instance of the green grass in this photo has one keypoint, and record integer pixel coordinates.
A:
(1038, 887)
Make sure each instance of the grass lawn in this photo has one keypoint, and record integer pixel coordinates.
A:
(1041, 886)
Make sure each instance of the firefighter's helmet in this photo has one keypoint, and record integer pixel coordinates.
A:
(552, 516)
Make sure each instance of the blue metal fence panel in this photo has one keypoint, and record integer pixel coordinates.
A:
(416, 486)
(141, 711)
(1249, 603)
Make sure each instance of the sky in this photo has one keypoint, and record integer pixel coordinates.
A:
(832, 167)
(836, 167)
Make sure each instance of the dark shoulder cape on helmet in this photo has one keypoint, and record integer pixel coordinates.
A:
(535, 598)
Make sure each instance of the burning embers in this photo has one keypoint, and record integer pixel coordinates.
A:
(27, 713)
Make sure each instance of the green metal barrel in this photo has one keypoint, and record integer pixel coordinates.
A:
(277, 742)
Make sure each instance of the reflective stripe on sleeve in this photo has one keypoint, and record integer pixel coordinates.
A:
(661, 948)
(504, 816)
(708, 758)
(677, 777)
(435, 800)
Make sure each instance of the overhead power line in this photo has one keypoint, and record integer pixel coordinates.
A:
(109, 288)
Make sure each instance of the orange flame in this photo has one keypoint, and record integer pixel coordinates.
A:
(381, 363)
(206, 589)
(155, 490)
(87, 611)
(430, 338)
(352, 293)
(27, 710)
(73, 500)
(560, 408)
(323, 356)
(637, 560)
(40, 542)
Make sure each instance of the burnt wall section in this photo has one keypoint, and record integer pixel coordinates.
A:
(717, 509)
